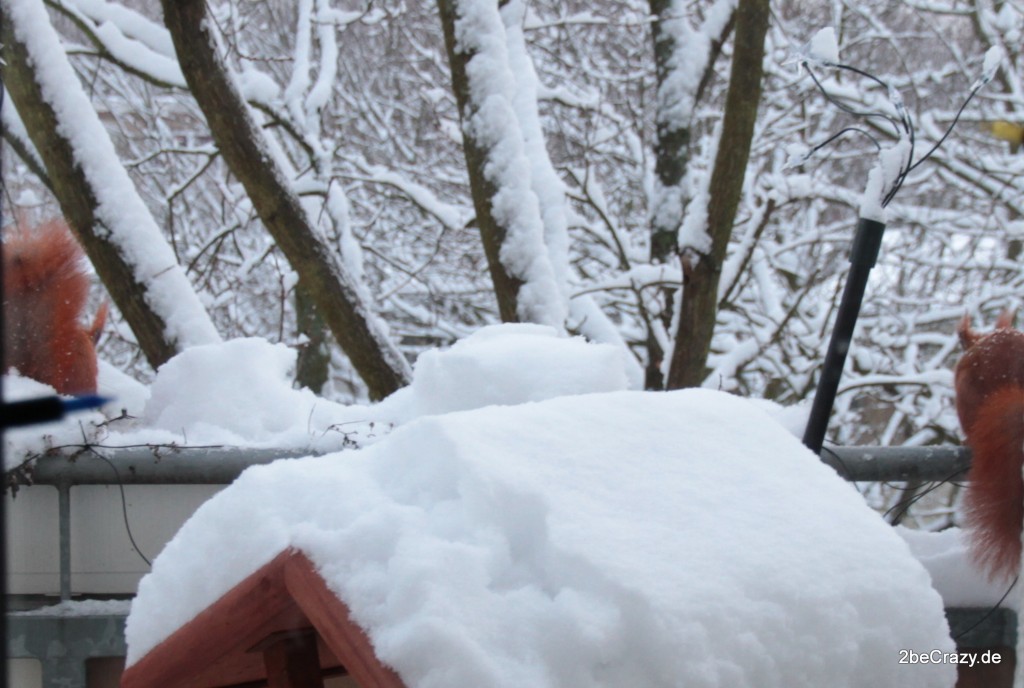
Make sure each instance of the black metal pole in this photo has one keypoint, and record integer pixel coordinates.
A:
(863, 253)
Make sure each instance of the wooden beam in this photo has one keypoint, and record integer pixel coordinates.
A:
(291, 659)
(334, 623)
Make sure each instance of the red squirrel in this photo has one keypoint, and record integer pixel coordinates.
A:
(989, 382)
(45, 291)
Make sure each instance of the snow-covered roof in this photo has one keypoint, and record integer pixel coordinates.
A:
(605, 539)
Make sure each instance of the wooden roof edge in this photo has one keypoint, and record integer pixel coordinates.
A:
(225, 627)
(259, 605)
(333, 621)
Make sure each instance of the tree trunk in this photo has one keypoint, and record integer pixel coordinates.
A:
(75, 190)
(671, 142)
(701, 277)
(671, 156)
(313, 363)
(337, 296)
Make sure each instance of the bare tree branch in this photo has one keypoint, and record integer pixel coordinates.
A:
(76, 186)
(336, 294)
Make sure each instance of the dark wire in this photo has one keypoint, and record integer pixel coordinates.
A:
(949, 129)
(920, 493)
(989, 613)
(841, 132)
(846, 108)
(909, 503)
(903, 122)
(124, 507)
(846, 470)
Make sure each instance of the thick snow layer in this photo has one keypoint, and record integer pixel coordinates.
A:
(692, 46)
(882, 179)
(994, 57)
(513, 364)
(240, 393)
(684, 205)
(127, 395)
(128, 398)
(24, 442)
(626, 538)
(544, 180)
(492, 123)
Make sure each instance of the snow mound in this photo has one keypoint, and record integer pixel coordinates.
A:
(240, 392)
(25, 443)
(125, 392)
(620, 539)
(513, 364)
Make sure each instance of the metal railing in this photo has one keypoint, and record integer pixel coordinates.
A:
(137, 466)
(222, 465)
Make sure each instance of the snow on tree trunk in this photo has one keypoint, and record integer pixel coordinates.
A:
(703, 245)
(340, 298)
(584, 313)
(96, 195)
(683, 57)
(493, 79)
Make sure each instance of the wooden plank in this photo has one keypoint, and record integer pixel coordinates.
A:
(334, 623)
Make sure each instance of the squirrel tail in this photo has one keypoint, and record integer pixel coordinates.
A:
(45, 292)
(994, 501)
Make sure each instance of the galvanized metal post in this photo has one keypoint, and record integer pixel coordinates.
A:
(64, 521)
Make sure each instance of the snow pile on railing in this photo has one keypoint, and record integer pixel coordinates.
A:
(609, 539)
(239, 393)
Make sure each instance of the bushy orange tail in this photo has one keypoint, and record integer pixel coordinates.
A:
(45, 291)
(994, 502)
(990, 403)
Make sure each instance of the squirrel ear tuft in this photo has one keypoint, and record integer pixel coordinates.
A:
(1006, 319)
(968, 337)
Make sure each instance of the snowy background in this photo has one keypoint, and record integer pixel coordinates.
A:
(357, 108)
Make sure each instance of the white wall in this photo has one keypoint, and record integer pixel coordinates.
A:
(102, 557)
